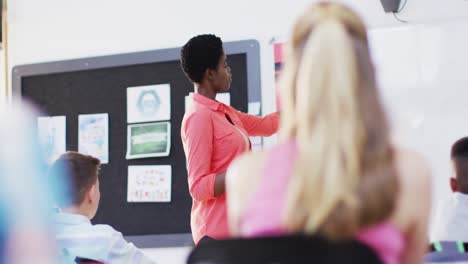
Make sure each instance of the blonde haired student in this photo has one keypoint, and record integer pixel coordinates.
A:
(335, 171)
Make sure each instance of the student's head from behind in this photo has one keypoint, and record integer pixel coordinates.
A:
(459, 156)
(82, 172)
(204, 62)
(344, 174)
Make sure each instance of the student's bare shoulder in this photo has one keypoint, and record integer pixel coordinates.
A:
(412, 167)
(245, 170)
(242, 178)
(247, 162)
(414, 177)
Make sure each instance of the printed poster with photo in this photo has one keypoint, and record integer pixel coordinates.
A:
(149, 183)
(52, 136)
(148, 140)
(148, 103)
(93, 136)
(256, 143)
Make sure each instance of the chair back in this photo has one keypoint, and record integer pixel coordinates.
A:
(79, 260)
(282, 249)
(448, 252)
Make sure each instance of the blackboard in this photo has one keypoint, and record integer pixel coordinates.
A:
(98, 85)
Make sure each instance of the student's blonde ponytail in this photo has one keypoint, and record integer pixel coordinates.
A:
(322, 113)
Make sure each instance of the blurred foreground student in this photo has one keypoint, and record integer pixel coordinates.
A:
(76, 236)
(213, 134)
(25, 229)
(451, 222)
(335, 171)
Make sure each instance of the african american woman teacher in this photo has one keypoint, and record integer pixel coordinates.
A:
(213, 134)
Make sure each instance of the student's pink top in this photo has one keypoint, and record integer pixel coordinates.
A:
(262, 217)
(213, 135)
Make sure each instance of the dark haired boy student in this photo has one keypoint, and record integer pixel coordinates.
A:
(451, 221)
(75, 233)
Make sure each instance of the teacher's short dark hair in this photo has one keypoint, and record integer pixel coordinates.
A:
(200, 53)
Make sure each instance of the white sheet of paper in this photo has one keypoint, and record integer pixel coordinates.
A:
(148, 103)
(93, 136)
(148, 140)
(149, 183)
(224, 98)
(52, 136)
(188, 102)
(254, 108)
(257, 143)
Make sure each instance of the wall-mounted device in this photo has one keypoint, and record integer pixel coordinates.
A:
(390, 5)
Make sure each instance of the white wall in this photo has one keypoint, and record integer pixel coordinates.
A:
(422, 75)
(62, 29)
(420, 64)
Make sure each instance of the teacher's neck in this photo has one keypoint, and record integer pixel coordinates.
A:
(205, 90)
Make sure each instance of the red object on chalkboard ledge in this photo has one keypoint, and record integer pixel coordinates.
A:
(278, 56)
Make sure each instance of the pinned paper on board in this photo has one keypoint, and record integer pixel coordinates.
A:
(224, 98)
(149, 183)
(257, 143)
(148, 140)
(254, 108)
(93, 136)
(148, 103)
(52, 136)
(188, 102)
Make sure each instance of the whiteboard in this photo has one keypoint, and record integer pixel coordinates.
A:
(423, 79)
